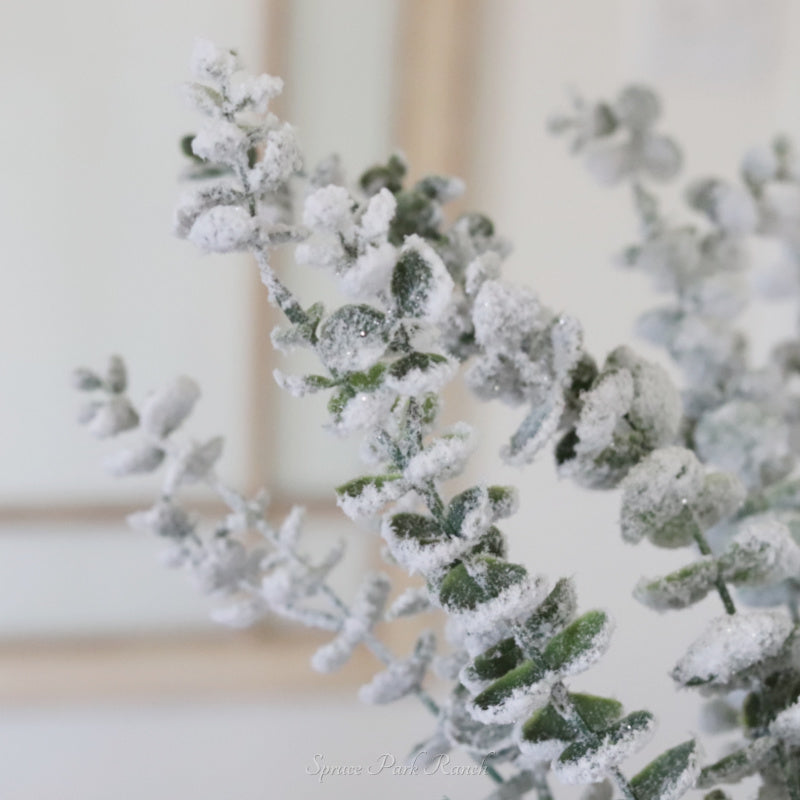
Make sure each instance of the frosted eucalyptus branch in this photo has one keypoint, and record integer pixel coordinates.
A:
(737, 418)
(435, 300)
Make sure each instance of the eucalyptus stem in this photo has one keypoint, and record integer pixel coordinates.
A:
(719, 583)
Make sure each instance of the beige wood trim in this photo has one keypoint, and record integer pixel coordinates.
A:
(436, 61)
(225, 665)
(115, 513)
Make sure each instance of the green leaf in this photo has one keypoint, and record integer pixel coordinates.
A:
(416, 213)
(669, 776)
(526, 676)
(317, 382)
(367, 381)
(776, 692)
(412, 281)
(460, 591)
(337, 402)
(384, 176)
(429, 409)
(357, 486)
(588, 760)
(580, 644)
(552, 615)
(478, 225)
(415, 361)
(717, 794)
(424, 530)
(491, 543)
(461, 505)
(308, 328)
(547, 724)
(504, 500)
(679, 589)
(597, 712)
(493, 663)
(739, 765)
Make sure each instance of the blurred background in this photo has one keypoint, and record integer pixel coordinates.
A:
(113, 684)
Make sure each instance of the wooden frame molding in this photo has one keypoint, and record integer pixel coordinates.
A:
(434, 110)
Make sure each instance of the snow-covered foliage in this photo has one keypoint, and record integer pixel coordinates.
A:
(724, 482)
(707, 467)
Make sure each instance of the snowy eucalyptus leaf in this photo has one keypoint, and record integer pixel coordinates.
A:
(353, 338)
(762, 553)
(370, 600)
(546, 734)
(163, 411)
(786, 725)
(598, 713)
(165, 519)
(366, 496)
(580, 644)
(637, 107)
(631, 409)
(116, 375)
(744, 438)
(389, 176)
(194, 463)
(774, 699)
(461, 591)
(721, 495)
(418, 373)
(421, 286)
(679, 589)
(553, 615)
(401, 677)
(518, 693)
(657, 498)
(300, 386)
(731, 645)
(419, 543)
(491, 542)
(669, 776)
(490, 589)
(504, 501)
(145, 457)
(534, 432)
(334, 655)
(492, 664)
(412, 601)
(588, 760)
(110, 417)
(444, 457)
(738, 765)
(85, 380)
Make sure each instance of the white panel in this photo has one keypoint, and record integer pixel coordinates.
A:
(93, 117)
(250, 751)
